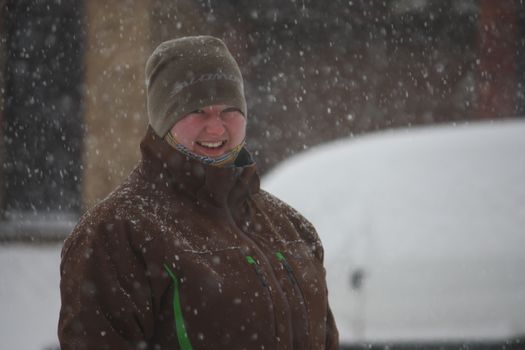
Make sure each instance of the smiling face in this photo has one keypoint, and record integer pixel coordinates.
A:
(211, 131)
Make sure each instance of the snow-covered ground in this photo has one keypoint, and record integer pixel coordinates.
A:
(29, 296)
(433, 218)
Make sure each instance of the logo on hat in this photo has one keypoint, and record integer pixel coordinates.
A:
(178, 86)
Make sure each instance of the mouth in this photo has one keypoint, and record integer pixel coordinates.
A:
(211, 145)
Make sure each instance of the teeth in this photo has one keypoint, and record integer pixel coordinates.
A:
(212, 144)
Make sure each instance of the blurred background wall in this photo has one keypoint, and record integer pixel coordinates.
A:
(118, 45)
(72, 102)
(41, 115)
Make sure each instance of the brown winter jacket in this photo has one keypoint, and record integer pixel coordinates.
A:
(188, 256)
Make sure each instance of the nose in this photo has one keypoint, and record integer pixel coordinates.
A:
(215, 125)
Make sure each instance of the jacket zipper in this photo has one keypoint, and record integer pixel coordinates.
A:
(262, 256)
(293, 279)
(263, 281)
(258, 271)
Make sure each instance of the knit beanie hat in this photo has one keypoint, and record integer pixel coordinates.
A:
(186, 74)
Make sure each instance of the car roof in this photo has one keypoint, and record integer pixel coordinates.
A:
(433, 198)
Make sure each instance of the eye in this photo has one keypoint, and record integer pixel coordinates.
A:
(197, 111)
(195, 114)
(231, 112)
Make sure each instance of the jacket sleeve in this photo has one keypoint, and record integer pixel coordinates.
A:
(309, 233)
(105, 294)
(332, 335)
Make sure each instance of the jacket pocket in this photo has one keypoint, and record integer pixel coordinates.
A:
(293, 279)
(224, 302)
(264, 283)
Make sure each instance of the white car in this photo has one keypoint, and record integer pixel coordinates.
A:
(423, 230)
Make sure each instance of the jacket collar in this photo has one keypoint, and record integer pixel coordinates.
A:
(217, 185)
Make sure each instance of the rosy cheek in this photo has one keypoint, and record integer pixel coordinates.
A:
(242, 127)
(184, 135)
(238, 130)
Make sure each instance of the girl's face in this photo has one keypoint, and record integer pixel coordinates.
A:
(211, 131)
